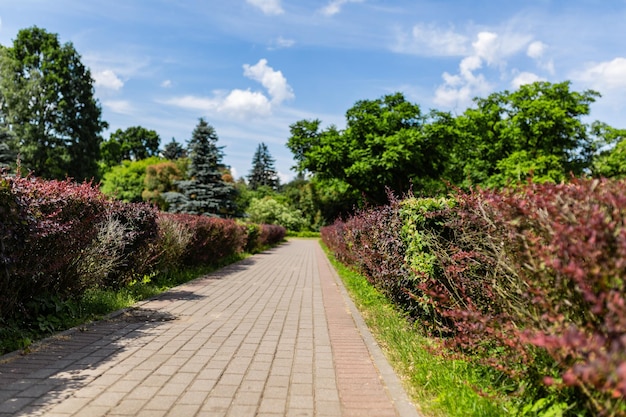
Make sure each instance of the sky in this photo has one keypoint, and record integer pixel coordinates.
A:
(252, 68)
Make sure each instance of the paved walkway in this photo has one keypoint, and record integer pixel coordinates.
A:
(273, 335)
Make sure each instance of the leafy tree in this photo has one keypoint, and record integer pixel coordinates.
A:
(263, 172)
(174, 150)
(134, 143)
(47, 102)
(270, 211)
(205, 192)
(538, 121)
(126, 182)
(383, 147)
(610, 162)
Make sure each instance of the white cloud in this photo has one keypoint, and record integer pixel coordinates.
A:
(431, 40)
(334, 7)
(488, 50)
(536, 50)
(119, 106)
(525, 78)
(107, 79)
(273, 81)
(604, 76)
(284, 43)
(269, 7)
(239, 103)
(166, 84)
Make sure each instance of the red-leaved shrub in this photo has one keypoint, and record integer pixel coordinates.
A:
(213, 239)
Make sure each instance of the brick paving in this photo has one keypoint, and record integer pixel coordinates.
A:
(273, 335)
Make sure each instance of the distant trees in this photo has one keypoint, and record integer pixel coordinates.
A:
(534, 132)
(47, 104)
(205, 192)
(263, 173)
(133, 144)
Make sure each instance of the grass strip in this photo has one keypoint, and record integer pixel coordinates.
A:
(441, 386)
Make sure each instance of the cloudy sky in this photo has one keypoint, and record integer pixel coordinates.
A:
(253, 67)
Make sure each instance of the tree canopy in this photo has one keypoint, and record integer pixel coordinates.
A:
(47, 103)
(132, 144)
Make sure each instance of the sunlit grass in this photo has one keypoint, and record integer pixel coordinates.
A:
(440, 386)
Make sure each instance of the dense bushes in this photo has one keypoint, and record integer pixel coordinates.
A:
(60, 238)
(529, 281)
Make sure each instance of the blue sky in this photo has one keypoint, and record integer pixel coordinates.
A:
(253, 67)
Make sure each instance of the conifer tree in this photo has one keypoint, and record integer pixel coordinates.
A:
(263, 172)
(205, 192)
(173, 150)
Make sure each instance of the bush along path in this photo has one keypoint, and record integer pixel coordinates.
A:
(68, 253)
(271, 335)
(526, 281)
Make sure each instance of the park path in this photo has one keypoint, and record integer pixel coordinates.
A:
(272, 335)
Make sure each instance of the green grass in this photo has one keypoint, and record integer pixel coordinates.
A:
(441, 387)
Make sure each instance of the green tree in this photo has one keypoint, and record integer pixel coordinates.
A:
(610, 162)
(270, 211)
(48, 105)
(538, 122)
(263, 172)
(205, 192)
(126, 182)
(174, 150)
(382, 148)
(134, 143)
(7, 156)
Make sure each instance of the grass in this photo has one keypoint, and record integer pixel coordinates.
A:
(54, 315)
(441, 386)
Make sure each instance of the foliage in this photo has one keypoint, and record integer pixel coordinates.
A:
(382, 147)
(527, 281)
(48, 105)
(133, 144)
(440, 385)
(610, 162)
(205, 192)
(542, 120)
(212, 238)
(270, 211)
(160, 178)
(174, 150)
(263, 173)
(126, 182)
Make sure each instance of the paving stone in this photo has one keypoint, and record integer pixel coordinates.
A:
(270, 336)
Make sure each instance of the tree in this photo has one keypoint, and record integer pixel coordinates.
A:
(48, 105)
(538, 121)
(126, 182)
(7, 156)
(263, 172)
(174, 150)
(133, 144)
(269, 211)
(383, 147)
(159, 179)
(205, 192)
(611, 162)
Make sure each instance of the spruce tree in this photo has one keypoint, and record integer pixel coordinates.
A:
(263, 172)
(173, 150)
(205, 192)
